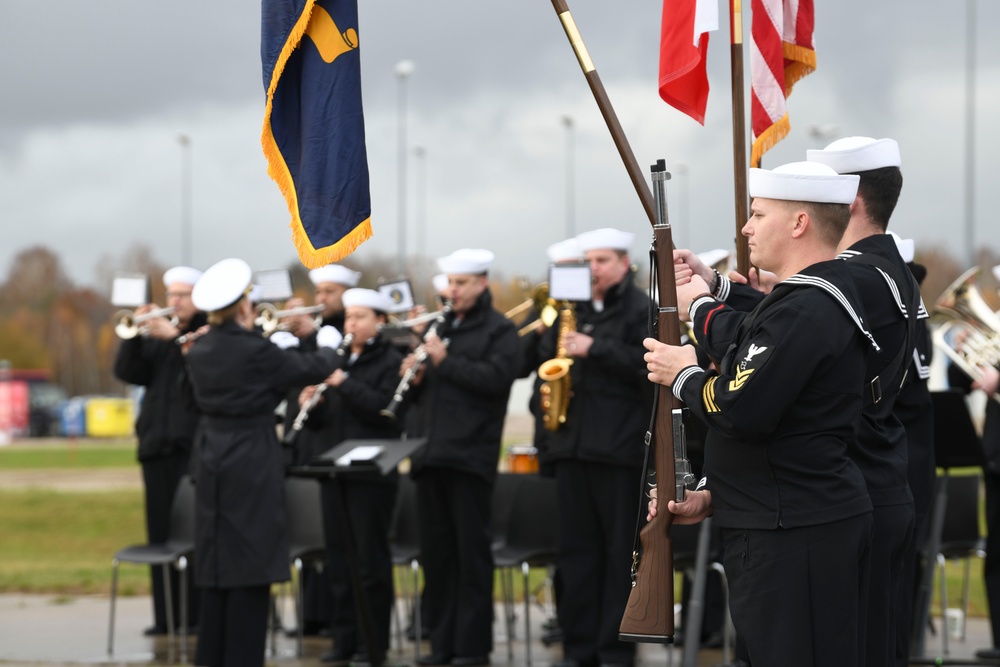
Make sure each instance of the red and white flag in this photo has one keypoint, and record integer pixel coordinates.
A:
(781, 53)
(683, 43)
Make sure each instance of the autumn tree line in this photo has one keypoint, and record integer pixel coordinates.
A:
(47, 322)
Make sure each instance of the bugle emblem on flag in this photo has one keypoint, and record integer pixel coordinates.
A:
(314, 133)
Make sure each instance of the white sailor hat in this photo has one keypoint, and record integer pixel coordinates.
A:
(335, 273)
(853, 154)
(222, 285)
(803, 181)
(369, 298)
(713, 257)
(473, 261)
(565, 251)
(440, 282)
(904, 246)
(614, 239)
(996, 272)
(181, 274)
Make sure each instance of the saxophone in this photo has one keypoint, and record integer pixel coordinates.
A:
(555, 374)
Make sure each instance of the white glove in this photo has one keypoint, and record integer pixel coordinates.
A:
(284, 339)
(329, 337)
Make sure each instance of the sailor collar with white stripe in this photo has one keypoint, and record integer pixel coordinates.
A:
(834, 291)
(893, 287)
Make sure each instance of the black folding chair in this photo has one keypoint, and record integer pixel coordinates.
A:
(305, 536)
(172, 553)
(404, 547)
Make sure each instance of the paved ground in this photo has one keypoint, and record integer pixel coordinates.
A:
(40, 631)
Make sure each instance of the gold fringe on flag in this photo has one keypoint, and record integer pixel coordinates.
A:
(767, 140)
(799, 62)
(277, 169)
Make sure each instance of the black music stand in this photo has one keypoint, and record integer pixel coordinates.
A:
(330, 468)
(956, 445)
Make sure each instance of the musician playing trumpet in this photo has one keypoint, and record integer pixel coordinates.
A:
(356, 392)
(167, 421)
(462, 394)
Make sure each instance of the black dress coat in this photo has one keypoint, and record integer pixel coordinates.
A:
(238, 378)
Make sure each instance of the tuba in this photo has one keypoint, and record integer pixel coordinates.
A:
(554, 373)
(962, 311)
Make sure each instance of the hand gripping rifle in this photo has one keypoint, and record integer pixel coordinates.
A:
(649, 615)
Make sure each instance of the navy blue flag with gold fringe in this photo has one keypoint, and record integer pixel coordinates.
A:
(314, 130)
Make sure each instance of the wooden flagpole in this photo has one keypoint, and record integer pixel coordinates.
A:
(739, 134)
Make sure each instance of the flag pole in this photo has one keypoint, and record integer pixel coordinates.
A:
(739, 134)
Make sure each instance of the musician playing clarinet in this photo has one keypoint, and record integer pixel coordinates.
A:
(349, 409)
(462, 392)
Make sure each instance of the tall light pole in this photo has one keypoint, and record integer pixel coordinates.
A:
(185, 142)
(404, 68)
(420, 155)
(970, 131)
(567, 122)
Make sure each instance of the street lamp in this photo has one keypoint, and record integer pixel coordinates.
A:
(404, 68)
(420, 154)
(567, 122)
(970, 131)
(185, 143)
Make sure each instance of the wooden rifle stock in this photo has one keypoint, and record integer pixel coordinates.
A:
(649, 615)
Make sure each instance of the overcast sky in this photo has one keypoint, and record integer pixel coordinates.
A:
(96, 92)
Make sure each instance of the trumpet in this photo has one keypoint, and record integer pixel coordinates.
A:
(962, 309)
(309, 405)
(127, 324)
(269, 317)
(420, 356)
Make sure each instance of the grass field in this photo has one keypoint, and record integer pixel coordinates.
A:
(61, 542)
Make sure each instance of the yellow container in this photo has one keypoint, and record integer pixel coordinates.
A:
(109, 417)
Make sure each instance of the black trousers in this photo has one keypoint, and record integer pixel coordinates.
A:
(369, 506)
(233, 631)
(160, 478)
(991, 568)
(795, 594)
(893, 531)
(598, 506)
(455, 550)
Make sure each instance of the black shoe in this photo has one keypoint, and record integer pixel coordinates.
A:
(411, 635)
(434, 659)
(988, 654)
(568, 662)
(336, 658)
(154, 631)
(471, 661)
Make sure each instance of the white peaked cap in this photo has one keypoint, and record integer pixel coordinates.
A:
(713, 257)
(853, 154)
(904, 246)
(565, 251)
(369, 298)
(471, 261)
(222, 285)
(440, 282)
(614, 239)
(804, 181)
(996, 272)
(335, 273)
(181, 274)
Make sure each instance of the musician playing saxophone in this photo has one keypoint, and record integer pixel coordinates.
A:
(349, 409)
(598, 452)
(461, 394)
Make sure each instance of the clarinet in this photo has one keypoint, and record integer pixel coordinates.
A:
(313, 401)
(420, 356)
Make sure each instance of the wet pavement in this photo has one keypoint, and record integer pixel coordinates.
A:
(48, 631)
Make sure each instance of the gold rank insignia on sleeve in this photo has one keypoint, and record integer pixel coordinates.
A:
(741, 378)
(708, 395)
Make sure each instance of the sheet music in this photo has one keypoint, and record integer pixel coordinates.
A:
(360, 455)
